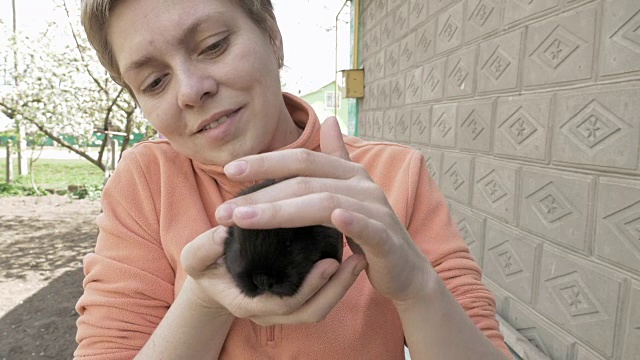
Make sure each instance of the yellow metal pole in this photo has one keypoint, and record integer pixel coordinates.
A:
(356, 33)
(335, 83)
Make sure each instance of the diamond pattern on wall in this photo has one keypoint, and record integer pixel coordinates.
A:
(449, 29)
(492, 188)
(407, 52)
(442, 125)
(392, 59)
(508, 262)
(383, 95)
(626, 224)
(402, 125)
(524, 3)
(519, 127)
(575, 298)
(424, 42)
(594, 127)
(455, 176)
(459, 74)
(417, 8)
(378, 65)
(481, 13)
(556, 48)
(390, 123)
(419, 125)
(431, 81)
(386, 31)
(534, 338)
(431, 168)
(473, 125)
(377, 125)
(413, 87)
(629, 34)
(397, 92)
(550, 205)
(465, 231)
(497, 64)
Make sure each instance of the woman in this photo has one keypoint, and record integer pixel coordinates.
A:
(206, 75)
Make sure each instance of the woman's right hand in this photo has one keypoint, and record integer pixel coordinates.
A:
(211, 285)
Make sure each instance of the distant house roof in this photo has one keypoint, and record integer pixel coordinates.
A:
(318, 89)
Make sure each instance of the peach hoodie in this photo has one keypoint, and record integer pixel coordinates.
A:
(158, 200)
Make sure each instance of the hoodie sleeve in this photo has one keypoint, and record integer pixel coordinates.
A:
(129, 282)
(432, 228)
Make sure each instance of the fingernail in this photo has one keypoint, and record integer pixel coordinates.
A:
(235, 168)
(220, 236)
(246, 212)
(224, 212)
(358, 268)
(329, 272)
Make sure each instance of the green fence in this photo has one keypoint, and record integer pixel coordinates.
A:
(137, 137)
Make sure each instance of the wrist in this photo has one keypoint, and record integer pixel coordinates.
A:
(191, 297)
(428, 289)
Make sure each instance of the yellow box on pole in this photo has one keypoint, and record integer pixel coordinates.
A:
(353, 82)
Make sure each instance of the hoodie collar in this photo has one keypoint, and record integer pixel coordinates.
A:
(303, 116)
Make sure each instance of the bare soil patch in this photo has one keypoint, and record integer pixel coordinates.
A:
(42, 243)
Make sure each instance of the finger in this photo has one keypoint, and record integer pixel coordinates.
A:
(331, 141)
(290, 163)
(203, 251)
(300, 186)
(324, 300)
(308, 210)
(371, 236)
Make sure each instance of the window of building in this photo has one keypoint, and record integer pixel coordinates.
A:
(330, 98)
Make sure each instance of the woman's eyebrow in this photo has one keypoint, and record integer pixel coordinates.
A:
(195, 25)
(138, 64)
(185, 36)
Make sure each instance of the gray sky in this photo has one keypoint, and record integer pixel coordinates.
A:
(309, 47)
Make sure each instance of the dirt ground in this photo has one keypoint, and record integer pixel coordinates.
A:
(42, 242)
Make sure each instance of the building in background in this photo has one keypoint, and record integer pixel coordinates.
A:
(323, 102)
(527, 115)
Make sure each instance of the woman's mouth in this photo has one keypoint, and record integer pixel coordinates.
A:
(219, 122)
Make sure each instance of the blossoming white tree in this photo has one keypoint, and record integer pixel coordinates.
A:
(60, 89)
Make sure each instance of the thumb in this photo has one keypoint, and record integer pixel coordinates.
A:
(203, 251)
(331, 141)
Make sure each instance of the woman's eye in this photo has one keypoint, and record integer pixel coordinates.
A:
(154, 85)
(216, 48)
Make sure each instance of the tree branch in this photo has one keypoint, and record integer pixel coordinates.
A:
(60, 141)
(106, 124)
(128, 130)
(79, 48)
(7, 110)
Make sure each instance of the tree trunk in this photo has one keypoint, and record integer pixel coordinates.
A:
(9, 162)
(22, 136)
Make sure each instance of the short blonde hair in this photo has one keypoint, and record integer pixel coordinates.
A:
(95, 20)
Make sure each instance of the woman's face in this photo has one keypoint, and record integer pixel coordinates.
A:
(205, 76)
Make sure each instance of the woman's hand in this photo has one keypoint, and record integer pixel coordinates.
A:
(327, 188)
(211, 285)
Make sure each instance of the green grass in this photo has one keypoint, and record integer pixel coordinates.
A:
(57, 174)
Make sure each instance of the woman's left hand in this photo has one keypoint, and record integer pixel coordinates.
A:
(327, 188)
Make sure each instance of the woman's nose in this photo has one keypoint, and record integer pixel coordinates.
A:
(195, 86)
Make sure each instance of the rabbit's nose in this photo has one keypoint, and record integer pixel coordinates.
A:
(263, 282)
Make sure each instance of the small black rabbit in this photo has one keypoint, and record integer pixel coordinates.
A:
(277, 260)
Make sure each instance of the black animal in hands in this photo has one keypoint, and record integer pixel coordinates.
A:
(278, 260)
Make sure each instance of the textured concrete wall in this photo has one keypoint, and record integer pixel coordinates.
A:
(528, 114)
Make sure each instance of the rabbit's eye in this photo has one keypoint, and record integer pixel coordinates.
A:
(288, 243)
